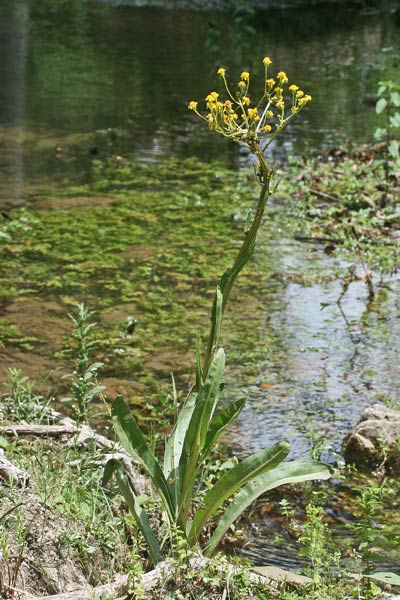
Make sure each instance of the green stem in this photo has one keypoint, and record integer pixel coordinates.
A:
(226, 282)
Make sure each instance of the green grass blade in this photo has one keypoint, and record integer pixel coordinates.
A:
(116, 467)
(135, 444)
(291, 472)
(219, 423)
(233, 480)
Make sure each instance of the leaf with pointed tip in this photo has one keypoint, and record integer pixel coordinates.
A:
(234, 479)
(115, 467)
(219, 423)
(135, 444)
(385, 577)
(291, 472)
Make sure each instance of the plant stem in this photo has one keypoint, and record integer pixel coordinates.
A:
(227, 280)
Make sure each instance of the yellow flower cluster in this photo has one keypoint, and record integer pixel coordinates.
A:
(250, 123)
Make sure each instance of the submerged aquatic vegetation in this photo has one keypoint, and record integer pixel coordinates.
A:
(338, 202)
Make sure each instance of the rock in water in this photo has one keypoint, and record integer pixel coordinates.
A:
(374, 443)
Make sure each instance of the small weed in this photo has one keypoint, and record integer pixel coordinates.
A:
(388, 105)
(22, 402)
(84, 385)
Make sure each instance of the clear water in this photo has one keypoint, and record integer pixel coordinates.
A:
(83, 79)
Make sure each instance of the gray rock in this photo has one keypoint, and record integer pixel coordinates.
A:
(374, 443)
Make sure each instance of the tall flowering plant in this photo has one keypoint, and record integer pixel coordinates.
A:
(200, 421)
(254, 124)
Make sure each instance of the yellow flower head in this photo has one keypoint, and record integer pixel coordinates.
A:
(305, 100)
(231, 114)
(211, 99)
(282, 77)
(253, 113)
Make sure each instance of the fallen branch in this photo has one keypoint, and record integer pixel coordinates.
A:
(12, 474)
(324, 195)
(163, 572)
(86, 435)
(27, 429)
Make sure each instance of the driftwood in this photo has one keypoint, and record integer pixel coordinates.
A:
(12, 474)
(28, 429)
(85, 435)
(323, 195)
(163, 572)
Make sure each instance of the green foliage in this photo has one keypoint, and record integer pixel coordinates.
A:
(337, 203)
(22, 402)
(367, 530)
(318, 547)
(84, 385)
(238, 26)
(388, 105)
(199, 424)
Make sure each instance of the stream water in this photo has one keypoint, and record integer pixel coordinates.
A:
(81, 77)
(87, 79)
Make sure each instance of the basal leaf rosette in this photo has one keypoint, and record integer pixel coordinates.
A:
(251, 123)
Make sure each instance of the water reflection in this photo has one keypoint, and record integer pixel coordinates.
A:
(327, 362)
(13, 74)
(90, 68)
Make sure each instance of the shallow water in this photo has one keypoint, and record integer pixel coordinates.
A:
(329, 361)
(85, 80)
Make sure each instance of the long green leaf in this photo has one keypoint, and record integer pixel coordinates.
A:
(291, 472)
(385, 577)
(197, 430)
(219, 423)
(174, 444)
(135, 444)
(115, 467)
(233, 480)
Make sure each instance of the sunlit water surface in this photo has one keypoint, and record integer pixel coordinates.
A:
(88, 79)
